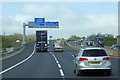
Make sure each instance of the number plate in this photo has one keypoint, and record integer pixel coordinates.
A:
(94, 62)
(41, 49)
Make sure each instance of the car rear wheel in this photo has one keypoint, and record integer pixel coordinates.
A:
(74, 68)
(54, 50)
(77, 72)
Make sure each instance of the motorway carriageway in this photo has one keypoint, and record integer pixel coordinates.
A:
(57, 65)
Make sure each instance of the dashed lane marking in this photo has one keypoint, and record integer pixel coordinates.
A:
(57, 62)
(59, 65)
(61, 72)
(72, 55)
(60, 68)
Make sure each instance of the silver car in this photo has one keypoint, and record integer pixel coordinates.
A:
(92, 60)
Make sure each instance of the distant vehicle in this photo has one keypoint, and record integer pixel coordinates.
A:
(59, 41)
(75, 41)
(83, 44)
(41, 40)
(49, 41)
(91, 42)
(58, 46)
(100, 41)
(79, 41)
(92, 59)
(116, 47)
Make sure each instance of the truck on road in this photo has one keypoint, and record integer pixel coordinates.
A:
(41, 40)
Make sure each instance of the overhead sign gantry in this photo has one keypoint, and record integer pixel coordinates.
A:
(39, 23)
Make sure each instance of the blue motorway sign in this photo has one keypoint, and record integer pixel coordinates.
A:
(39, 22)
(52, 24)
(50, 36)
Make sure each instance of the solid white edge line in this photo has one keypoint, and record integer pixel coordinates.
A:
(19, 62)
(61, 72)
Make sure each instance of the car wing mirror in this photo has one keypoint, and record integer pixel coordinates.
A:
(75, 55)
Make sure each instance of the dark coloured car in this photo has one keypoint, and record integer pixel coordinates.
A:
(116, 47)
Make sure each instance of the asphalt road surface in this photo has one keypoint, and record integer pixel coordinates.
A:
(30, 64)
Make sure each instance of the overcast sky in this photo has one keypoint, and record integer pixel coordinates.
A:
(75, 18)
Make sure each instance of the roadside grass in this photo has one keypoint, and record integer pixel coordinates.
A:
(109, 44)
(14, 52)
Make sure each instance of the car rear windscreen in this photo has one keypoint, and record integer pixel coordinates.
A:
(94, 52)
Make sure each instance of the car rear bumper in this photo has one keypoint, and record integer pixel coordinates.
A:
(58, 49)
(108, 68)
(95, 70)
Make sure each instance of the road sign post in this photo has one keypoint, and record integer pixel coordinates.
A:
(23, 33)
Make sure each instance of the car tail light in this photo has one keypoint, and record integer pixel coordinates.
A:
(38, 47)
(107, 58)
(61, 44)
(45, 46)
(83, 59)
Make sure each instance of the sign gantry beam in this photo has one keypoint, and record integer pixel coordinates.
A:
(39, 23)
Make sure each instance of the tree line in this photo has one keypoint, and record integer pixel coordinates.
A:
(109, 39)
(11, 40)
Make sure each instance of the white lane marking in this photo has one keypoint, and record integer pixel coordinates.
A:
(56, 59)
(18, 63)
(59, 65)
(53, 55)
(61, 72)
(57, 62)
(72, 55)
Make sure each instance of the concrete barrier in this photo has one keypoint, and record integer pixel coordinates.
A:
(9, 50)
